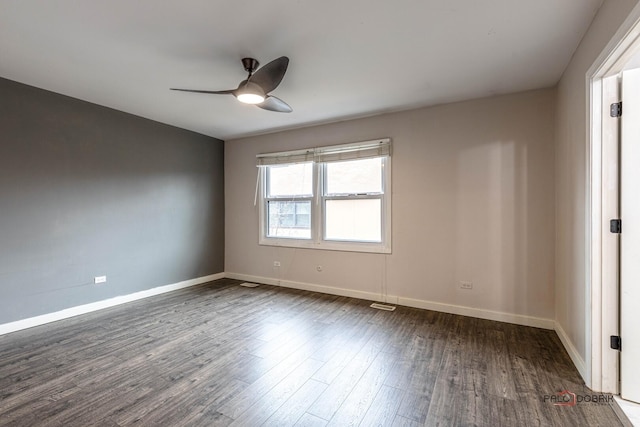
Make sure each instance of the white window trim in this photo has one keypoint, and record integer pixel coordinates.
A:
(317, 209)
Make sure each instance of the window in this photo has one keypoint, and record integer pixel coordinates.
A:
(333, 198)
(288, 198)
(353, 195)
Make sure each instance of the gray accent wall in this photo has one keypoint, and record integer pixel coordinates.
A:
(89, 191)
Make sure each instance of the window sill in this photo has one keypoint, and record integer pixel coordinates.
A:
(378, 248)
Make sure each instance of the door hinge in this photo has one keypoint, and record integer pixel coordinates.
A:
(615, 226)
(616, 342)
(616, 109)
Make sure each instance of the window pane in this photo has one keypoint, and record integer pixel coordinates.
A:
(354, 220)
(290, 180)
(289, 219)
(355, 176)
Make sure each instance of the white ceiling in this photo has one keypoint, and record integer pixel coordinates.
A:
(349, 58)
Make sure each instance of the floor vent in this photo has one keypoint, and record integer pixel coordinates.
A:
(382, 306)
(249, 285)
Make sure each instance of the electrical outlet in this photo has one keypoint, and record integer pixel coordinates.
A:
(466, 285)
(276, 263)
(99, 279)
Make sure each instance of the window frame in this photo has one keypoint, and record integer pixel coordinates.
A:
(318, 213)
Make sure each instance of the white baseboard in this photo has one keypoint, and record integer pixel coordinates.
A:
(306, 286)
(99, 305)
(517, 319)
(499, 316)
(577, 360)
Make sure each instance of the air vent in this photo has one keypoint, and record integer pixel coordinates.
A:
(382, 306)
(249, 285)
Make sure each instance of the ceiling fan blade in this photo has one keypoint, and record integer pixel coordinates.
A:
(215, 92)
(272, 103)
(270, 76)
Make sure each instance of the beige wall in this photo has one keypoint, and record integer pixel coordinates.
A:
(473, 200)
(571, 178)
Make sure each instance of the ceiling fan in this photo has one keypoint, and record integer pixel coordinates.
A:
(255, 89)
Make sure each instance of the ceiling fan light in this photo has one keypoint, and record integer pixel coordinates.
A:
(250, 93)
(250, 98)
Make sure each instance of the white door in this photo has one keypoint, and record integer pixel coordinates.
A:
(630, 237)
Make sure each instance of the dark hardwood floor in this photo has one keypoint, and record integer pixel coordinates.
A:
(221, 354)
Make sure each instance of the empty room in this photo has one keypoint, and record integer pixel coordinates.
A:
(296, 213)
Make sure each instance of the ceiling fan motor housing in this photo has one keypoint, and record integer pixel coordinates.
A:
(250, 65)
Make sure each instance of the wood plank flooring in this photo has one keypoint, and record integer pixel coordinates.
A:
(220, 354)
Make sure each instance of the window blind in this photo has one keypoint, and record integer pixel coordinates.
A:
(360, 150)
(334, 153)
(285, 158)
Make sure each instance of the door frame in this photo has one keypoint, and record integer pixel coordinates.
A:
(601, 253)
